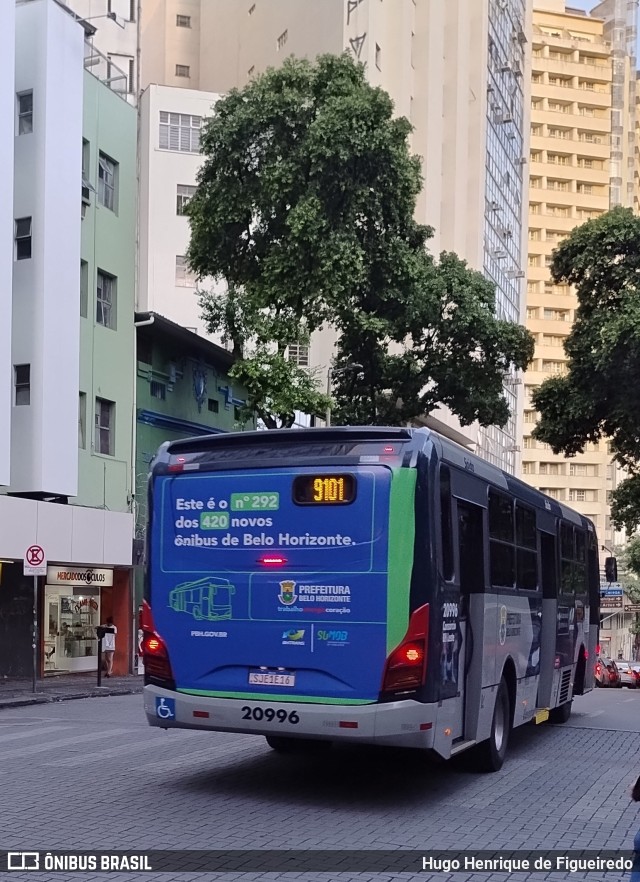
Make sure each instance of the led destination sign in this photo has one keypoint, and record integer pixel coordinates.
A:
(324, 489)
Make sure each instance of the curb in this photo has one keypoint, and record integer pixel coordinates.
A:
(25, 700)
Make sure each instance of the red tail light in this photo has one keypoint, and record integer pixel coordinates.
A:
(154, 649)
(406, 667)
(598, 669)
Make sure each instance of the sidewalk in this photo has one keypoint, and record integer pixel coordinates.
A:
(17, 693)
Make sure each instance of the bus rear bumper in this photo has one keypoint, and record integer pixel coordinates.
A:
(394, 724)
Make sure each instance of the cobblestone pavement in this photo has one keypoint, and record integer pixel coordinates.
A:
(83, 775)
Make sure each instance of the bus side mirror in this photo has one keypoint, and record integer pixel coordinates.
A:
(611, 569)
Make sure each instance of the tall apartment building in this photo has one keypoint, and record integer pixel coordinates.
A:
(67, 473)
(458, 70)
(571, 180)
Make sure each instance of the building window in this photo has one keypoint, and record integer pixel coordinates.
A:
(528, 468)
(22, 381)
(106, 300)
(180, 131)
(84, 288)
(183, 21)
(183, 70)
(105, 427)
(299, 354)
(378, 57)
(282, 39)
(23, 238)
(184, 277)
(183, 195)
(25, 113)
(554, 367)
(213, 406)
(107, 170)
(82, 420)
(158, 390)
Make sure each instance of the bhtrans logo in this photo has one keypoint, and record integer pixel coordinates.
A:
(293, 638)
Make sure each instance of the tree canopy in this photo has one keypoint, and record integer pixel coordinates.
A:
(599, 397)
(304, 211)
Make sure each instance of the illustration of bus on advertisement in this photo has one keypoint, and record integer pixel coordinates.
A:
(207, 599)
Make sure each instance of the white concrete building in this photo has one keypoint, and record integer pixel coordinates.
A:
(116, 38)
(170, 121)
(8, 113)
(43, 92)
(46, 276)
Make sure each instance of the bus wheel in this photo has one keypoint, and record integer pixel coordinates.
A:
(560, 714)
(281, 744)
(489, 755)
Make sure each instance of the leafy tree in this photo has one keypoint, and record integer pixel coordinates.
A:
(305, 210)
(599, 397)
(630, 561)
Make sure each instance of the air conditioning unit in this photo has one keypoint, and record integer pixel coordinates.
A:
(517, 69)
(86, 195)
(499, 254)
(495, 206)
(523, 160)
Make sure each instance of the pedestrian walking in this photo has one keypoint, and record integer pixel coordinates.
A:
(635, 871)
(109, 646)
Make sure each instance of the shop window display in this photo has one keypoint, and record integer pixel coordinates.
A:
(71, 643)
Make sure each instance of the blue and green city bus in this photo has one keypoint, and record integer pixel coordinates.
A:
(390, 588)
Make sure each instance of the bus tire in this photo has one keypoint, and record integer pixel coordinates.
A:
(284, 745)
(489, 755)
(561, 714)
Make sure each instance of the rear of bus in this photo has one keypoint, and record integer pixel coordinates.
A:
(278, 591)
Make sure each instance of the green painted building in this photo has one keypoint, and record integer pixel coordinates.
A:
(183, 389)
(107, 299)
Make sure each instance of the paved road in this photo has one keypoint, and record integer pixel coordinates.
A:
(91, 774)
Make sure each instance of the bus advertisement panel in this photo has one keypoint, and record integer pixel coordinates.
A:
(265, 590)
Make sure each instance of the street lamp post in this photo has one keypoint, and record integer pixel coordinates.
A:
(330, 374)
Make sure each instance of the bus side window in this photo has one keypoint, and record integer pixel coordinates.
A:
(548, 554)
(567, 557)
(501, 547)
(471, 548)
(581, 581)
(446, 525)
(527, 549)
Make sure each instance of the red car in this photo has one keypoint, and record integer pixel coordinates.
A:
(606, 672)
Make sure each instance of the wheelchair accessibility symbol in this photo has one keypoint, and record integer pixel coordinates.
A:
(166, 708)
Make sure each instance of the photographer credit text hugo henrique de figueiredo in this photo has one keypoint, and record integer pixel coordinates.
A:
(542, 862)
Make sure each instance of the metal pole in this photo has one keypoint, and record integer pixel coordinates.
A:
(328, 414)
(99, 657)
(34, 643)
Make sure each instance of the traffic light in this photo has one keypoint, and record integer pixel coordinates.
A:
(611, 569)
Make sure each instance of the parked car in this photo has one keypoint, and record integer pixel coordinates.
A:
(606, 672)
(629, 675)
